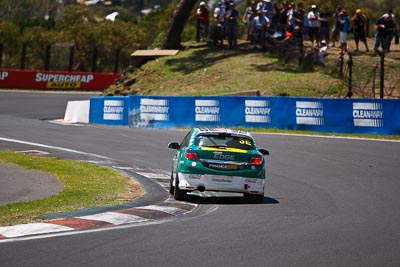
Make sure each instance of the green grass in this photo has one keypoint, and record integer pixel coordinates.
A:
(85, 185)
(211, 70)
(204, 70)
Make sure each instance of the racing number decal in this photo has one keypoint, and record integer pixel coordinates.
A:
(245, 141)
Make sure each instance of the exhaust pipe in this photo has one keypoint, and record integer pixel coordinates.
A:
(201, 188)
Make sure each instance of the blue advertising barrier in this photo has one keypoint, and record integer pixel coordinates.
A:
(109, 110)
(372, 116)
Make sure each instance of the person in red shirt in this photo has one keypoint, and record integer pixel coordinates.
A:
(203, 22)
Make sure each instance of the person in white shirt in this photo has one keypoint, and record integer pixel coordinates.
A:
(313, 21)
(260, 24)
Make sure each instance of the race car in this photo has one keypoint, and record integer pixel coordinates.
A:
(222, 160)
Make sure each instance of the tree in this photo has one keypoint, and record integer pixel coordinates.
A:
(9, 43)
(15, 10)
(177, 24)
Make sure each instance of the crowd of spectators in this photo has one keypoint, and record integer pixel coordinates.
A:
(269, 21)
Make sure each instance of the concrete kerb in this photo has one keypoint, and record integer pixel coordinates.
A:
(154, 205)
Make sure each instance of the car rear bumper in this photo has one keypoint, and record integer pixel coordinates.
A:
(197, 182)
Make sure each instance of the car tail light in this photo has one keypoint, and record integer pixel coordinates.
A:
(257, 160)
(191, 155)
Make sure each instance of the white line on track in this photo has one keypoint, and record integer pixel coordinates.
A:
(52, 147)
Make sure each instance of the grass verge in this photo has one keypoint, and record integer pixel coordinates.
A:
(85, 185)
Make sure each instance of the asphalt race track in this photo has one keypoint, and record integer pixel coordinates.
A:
(328, 201)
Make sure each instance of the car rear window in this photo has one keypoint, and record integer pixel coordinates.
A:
(240, 142)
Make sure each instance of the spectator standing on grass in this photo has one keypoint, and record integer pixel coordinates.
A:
(283, 18)
(299, 17)
(275, 19)
(219, 13)
(248, 16)
(260, 24)
(231, 25)
(324, 20)
(344, 28)
(336, 25)
(391, 29)
(313, 31)
(396, 25)
(203, 16)
(267, 7)
(380, 35)
(359, 22)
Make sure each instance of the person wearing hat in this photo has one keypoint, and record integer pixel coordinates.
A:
(313, 30)
(248, 16)
(359, 22)
(203, 22)
(219, 13)
(231, 25)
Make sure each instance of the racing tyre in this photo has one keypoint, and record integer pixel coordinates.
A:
(254, 197)
(171, 185)
(178, 193)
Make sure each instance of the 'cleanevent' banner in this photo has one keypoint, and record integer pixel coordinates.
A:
(35, 79)
(372, 116)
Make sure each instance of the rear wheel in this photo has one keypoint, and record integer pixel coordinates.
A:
(178, 193)
(171, 184)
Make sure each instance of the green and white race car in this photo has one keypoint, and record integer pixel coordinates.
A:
(222, 160)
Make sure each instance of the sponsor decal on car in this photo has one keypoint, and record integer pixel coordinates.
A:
(220, 156)
(222, 166)
(221, 180)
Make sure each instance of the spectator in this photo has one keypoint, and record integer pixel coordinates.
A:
(227, 4)
(267, 7)
(321, 53)
(396, 25)
(391, 29)
(203, 17)
(336, 25)
(359, 21)
(260, 24)
(301, 19)
(313, 31)
(380, 35)
(248, 16)
(344, 28)
(275, 19)
(324, 30)
(231, 25)
(219, 13)
(283, 18)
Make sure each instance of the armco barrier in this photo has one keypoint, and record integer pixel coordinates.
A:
(372, 116)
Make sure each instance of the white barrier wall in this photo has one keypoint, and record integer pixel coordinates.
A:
(77, 111)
